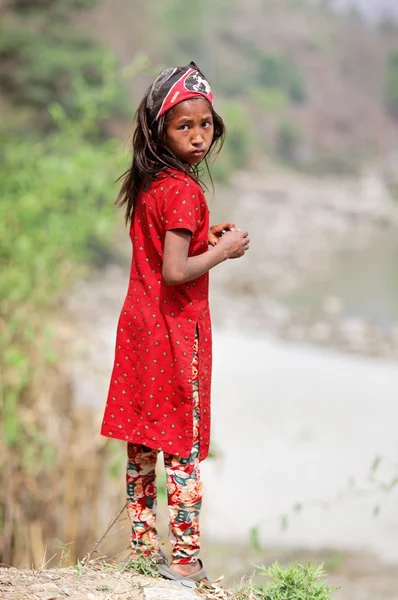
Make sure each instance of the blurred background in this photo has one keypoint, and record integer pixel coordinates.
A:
(305, 442)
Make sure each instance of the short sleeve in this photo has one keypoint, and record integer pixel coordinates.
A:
(182, 205)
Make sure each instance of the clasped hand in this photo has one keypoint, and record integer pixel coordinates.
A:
(236, 242)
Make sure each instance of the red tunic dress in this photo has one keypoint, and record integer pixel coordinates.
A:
(150, 396)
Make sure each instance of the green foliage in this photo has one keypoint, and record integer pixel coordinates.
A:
(144, 565)
(295, 582)
(56, 214)
(391, 83)
(237, 148)
(275, 72)
(41, 56)
(103, 587)
(272, 70)
(255, 544)
(51, 189)
(270, 99)
(58, 8)
(78, 568)
(65, 552)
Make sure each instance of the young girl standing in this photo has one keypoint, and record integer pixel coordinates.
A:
(159, 396)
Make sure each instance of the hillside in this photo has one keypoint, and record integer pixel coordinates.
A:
(308, 83)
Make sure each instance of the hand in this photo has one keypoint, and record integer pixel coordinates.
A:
(234, 243)
(216, 232)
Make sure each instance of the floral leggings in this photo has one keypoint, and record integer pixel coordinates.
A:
(184, 491)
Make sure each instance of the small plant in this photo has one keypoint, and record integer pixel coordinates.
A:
(295, 582)
(144, 565)
(65, 552)
(103, 587)
(78, 567)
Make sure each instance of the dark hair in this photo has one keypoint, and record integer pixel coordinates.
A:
(151, 156)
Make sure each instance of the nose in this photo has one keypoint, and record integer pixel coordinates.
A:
(197, 139)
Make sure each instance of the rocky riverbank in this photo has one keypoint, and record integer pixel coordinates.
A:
(298, 225)
(303, 232)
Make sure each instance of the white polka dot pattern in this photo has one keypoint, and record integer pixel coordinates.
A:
(150, 393)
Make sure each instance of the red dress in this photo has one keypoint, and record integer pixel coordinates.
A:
(150, 396)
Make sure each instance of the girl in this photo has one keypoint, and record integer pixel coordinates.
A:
(159, 396)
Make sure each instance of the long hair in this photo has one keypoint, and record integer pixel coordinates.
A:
(151, 156)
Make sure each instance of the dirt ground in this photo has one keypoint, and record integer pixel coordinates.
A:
(361, 576)
(94, 583)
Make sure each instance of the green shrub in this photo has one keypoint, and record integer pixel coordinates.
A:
(237, 149)
(56, 214)
(56, 208)
(272, 70)
(276, 72)
(41, 56)
(270, 99)
(295, 582)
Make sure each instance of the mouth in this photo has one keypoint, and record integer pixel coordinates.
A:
(198, 153)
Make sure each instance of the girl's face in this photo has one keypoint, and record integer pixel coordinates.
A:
(189, 130)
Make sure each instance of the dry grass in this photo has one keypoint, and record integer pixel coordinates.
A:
(66, 496)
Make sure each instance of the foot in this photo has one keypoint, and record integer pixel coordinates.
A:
(187, 570)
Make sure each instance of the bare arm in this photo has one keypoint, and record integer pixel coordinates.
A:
(179, 268)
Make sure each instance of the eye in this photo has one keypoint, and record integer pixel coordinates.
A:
(184, 127)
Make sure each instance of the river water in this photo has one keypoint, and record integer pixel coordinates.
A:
(294, 424)
(299, 424)
(365, 280)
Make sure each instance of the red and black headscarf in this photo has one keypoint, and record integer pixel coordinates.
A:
(175, 85)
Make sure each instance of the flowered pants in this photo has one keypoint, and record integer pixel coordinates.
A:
(184, 491)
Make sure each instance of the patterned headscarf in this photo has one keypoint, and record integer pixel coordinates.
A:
(175, 85)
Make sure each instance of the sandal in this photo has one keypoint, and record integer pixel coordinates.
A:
(168, 573)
